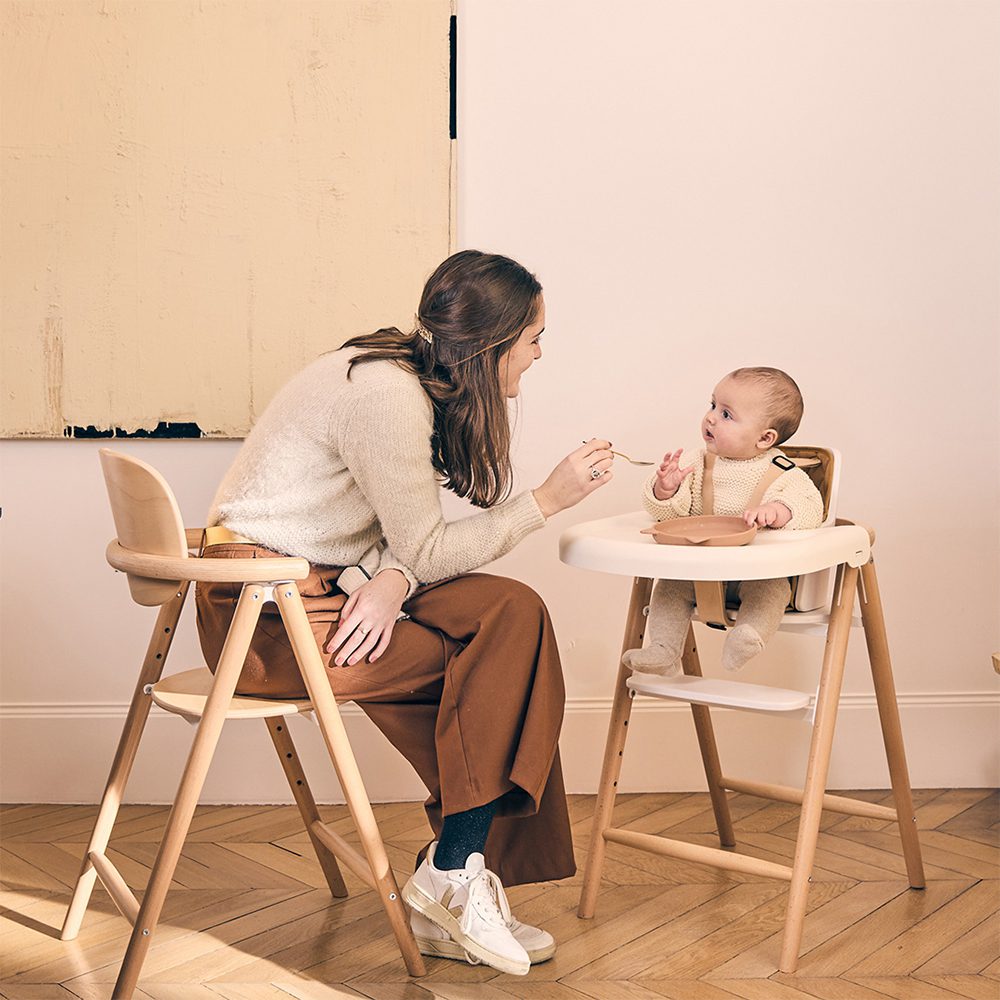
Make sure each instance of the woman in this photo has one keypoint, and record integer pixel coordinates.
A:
(348, 460)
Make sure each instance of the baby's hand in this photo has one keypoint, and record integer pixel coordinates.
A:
(768, 515)
(670, 475)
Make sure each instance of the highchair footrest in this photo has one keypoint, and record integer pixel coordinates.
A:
(724, 694)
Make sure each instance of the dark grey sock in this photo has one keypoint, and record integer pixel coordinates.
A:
(463, 834)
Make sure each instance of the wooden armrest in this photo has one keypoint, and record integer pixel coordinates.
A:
(156, 567)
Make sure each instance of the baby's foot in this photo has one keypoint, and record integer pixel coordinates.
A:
(742, 644)
(654, 659)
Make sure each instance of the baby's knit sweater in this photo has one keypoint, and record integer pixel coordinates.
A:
(734, 481)
(334, 467)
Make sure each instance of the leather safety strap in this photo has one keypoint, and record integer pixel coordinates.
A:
(218, 535)
(778, 466)
(710, 597)
(708, 485)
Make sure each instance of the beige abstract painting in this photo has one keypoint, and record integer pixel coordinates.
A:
(201, 196)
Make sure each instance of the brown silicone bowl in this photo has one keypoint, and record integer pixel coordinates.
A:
(708, 530)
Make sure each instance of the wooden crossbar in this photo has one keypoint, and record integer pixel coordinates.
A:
(712, 856)
(112, 880)
(343, 852)
(785, 793)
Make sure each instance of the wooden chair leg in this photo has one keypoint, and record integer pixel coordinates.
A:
(292, 766)
(335, 736)
(227, 673)
(709, 750)
(888, 711)
(128, 744)
(614, 749)
(827, 702)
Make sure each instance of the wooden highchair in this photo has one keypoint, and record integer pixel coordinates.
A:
(156, 552)
(829, 566)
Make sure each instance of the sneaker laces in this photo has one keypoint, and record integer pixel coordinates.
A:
(487, 891)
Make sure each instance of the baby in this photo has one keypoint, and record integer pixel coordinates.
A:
(739, 472)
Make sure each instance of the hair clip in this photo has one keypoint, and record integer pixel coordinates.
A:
(423, 331)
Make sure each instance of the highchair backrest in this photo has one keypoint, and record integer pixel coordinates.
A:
(147, 520)
(809, 592)
(822, 466)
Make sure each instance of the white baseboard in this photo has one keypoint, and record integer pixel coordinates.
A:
(52, 752)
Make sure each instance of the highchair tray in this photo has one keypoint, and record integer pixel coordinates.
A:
(616, 545)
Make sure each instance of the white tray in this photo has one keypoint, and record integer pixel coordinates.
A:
(616, 545)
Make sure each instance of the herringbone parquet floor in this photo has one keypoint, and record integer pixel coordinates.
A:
(250, 917)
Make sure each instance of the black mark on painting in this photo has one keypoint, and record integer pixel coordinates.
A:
(161, 430)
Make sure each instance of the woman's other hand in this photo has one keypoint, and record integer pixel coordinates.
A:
(575, 477)
(367, 619)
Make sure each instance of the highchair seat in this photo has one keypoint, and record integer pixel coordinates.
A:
(186, 693)
(616, 545)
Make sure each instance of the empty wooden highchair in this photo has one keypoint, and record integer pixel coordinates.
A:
(828, 565)
(155, 550)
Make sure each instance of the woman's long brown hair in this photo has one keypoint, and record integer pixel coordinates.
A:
(475, 305)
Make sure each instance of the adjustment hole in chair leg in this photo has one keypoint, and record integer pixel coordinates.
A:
(278, 728)
(288, 755)
(159, 656)
(167, 629)
(298, 781)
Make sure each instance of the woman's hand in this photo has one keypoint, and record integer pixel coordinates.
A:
(368, 617)
(575, 477)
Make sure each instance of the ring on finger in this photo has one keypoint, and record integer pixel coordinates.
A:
(595, 473)
(364, 629)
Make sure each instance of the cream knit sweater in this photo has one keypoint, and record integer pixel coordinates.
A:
(734, 481)
(335, 467)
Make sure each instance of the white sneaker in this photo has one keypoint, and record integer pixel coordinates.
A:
(433, 941)
(470, 906)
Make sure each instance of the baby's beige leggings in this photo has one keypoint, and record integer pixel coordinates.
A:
(762, 603)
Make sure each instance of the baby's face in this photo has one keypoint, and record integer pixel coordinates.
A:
(736, 421)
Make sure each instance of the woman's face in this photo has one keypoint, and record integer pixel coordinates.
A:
(523, 354)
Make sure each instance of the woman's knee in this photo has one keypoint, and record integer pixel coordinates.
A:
(517, 598)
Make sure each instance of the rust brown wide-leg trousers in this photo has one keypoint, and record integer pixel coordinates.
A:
(470, 691)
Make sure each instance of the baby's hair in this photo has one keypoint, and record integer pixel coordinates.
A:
(781, 398)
